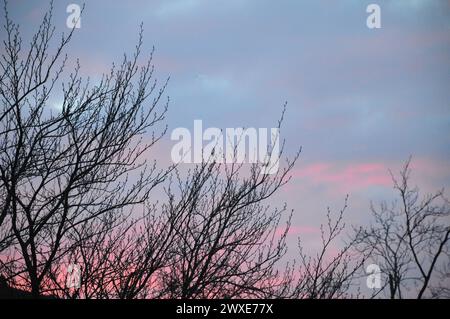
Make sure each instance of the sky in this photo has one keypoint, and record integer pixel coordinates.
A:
(360, 101)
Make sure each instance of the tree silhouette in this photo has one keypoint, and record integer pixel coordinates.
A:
(76, 189)
(409, 239)
(62, 171)
(328, 275)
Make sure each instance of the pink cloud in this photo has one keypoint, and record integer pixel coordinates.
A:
(348, 177)
(297, 230)
(303, 230)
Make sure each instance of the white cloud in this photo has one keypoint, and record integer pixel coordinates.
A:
(213, 83)
(56, 104)
(177, 7)
(410, 4)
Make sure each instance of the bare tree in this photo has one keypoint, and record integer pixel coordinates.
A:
(75, 188)
(332, 272)
(61, 170)
(228, 241)
(212, 238)
(73, 181)
(409, 239)
(118, 257)
(441, 289)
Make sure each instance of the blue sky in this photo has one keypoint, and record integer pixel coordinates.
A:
(360, 101)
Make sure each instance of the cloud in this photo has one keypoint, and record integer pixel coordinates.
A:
(176, 8)
(213, 83)
(411, 4)
(348, 177)
(299, 230)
